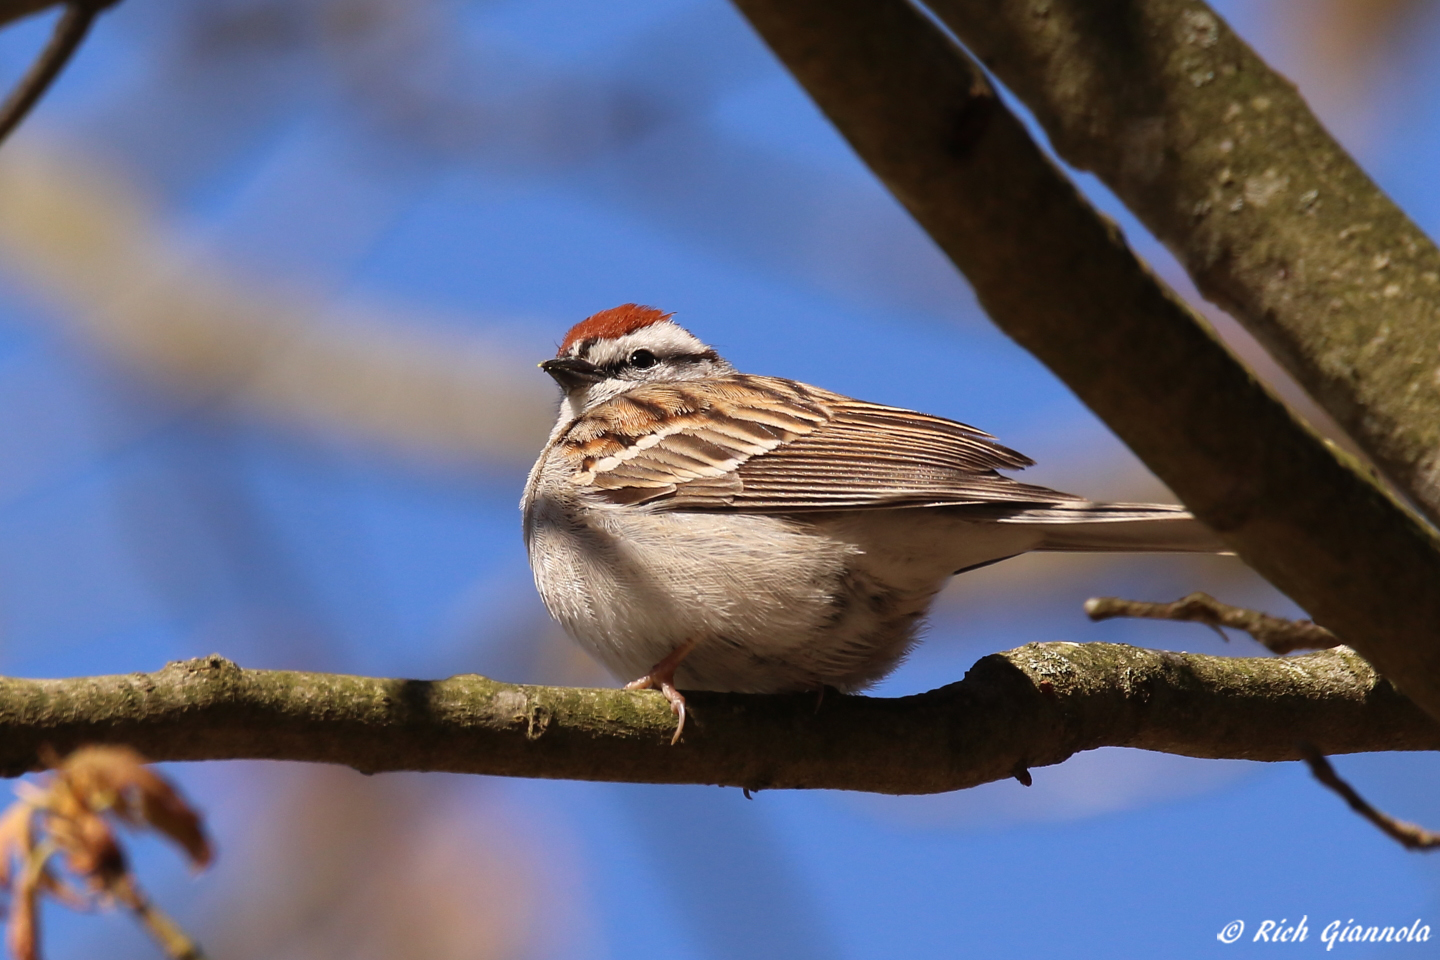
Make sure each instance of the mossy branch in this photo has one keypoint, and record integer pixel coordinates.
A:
(1030, 707)
(1058, 277)
(1223, 160)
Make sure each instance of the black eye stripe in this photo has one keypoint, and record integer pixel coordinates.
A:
(614, 367)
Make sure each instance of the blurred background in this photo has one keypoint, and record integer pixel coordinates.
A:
(274, 277)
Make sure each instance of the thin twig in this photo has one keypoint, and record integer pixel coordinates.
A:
(70, 31)
(1276, 633)
(176, 943)
(1409, 835)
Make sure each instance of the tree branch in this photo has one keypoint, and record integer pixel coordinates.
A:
(87, 242)
(1277, 634)
(1033, 706)
(69, 33)
(12, 10)
(1058, 277)
(1409, 835)
(1221, 158)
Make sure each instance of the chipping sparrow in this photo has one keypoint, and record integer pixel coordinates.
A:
(701, 528)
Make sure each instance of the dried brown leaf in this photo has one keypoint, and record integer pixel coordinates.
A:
(63, 891)
(167, 812)
(68, 815)
(117, 779)
(23, 933)
(16, 837)
(89, 846)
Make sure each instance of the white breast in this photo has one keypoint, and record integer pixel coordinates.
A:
(776, 603)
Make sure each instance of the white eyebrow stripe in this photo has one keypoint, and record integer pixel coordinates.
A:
(662, 339)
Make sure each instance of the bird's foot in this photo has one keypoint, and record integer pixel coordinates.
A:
(662, 677)
(677, 699)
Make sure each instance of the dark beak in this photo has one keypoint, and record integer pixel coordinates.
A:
(572, 372)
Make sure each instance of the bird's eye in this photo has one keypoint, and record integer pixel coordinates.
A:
(641, 359)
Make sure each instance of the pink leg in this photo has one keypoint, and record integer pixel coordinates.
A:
(662, 676)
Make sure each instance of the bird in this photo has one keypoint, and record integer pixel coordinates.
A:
(698, 528)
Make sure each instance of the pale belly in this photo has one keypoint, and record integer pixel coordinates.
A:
(774, 603)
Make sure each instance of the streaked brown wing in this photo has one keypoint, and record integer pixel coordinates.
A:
(766, 444)
(710, 429)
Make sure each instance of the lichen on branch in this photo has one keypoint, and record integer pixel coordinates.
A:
(1224, 161)
(1059, 278)
(1029, 707)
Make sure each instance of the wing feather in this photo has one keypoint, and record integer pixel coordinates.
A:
(766, 444)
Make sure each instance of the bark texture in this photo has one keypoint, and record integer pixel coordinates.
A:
(1059, 278)
(1030, 707)
(1221, 158)
(1276, 634)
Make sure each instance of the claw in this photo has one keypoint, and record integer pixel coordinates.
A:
(662, 677)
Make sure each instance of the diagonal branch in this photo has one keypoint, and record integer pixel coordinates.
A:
(65, 39)
(87, 243)
(69, 33)
(1409, 835)
(1276, 633)
(12, 10)
(1221, 158)
(1059, 278)
(1033, 706)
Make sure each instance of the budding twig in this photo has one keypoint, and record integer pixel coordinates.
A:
(1275, 633)
(1409, 835)
(59, 839)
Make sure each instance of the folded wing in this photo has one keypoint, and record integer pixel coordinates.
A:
(767, 444)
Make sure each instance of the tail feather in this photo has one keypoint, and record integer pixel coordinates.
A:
(1085, 527)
